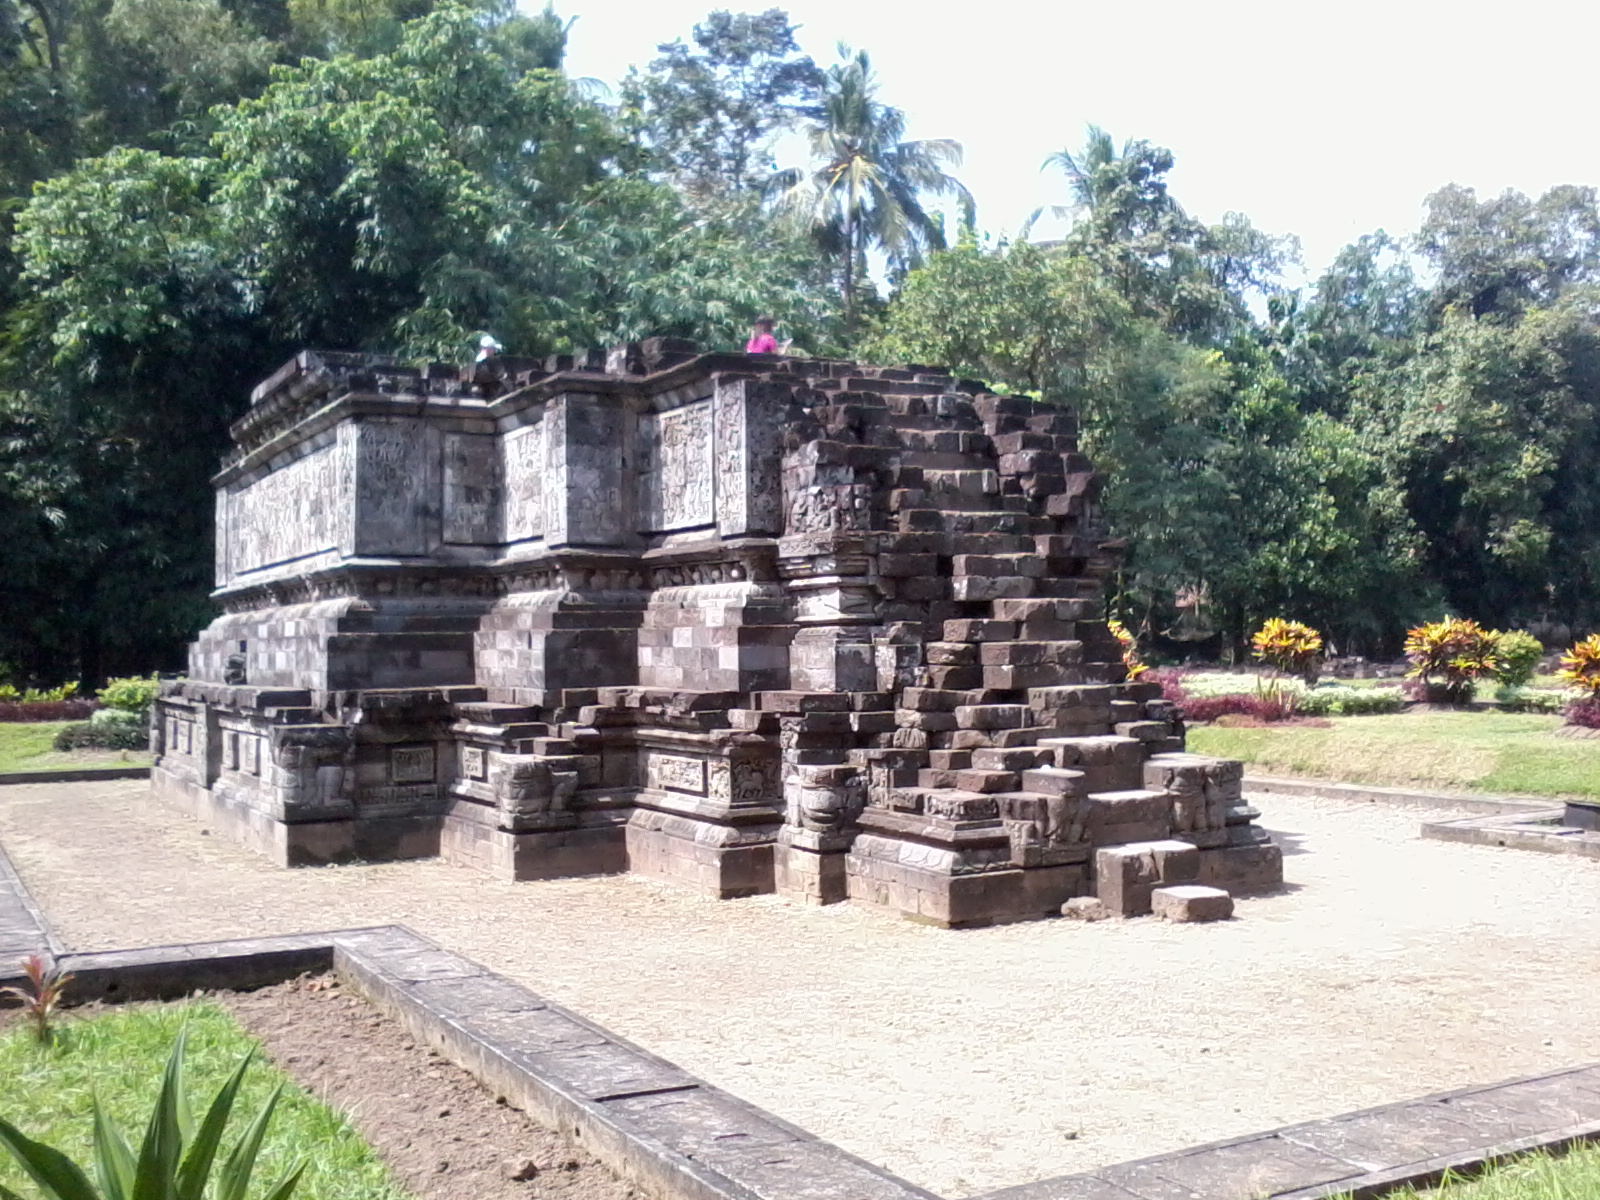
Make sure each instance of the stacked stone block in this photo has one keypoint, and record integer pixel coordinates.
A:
(790, 625)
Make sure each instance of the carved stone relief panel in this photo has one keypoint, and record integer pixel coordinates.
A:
(756, 780)
(288, 514)
(732, 462)
(584, 453)
(396, 487)
(472, 762)
(525, 469)
(411, 764)
(674, 772)
(399, 799)
(748, 460)
(471, 488)
(676, 470)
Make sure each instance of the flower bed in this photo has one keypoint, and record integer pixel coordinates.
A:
(47, 710)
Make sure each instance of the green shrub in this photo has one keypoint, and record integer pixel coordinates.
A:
(1530, 700)
(1517, 656)
(10, 694)
(133, 694)
(177, 1159)
(1335, 700)
(1206, 684)
(119, 718)
(87, 735)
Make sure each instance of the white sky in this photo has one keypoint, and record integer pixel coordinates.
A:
(1326, 120)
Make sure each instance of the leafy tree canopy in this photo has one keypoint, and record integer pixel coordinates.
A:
(708, 113)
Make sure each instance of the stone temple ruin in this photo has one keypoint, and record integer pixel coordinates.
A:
(750, 623)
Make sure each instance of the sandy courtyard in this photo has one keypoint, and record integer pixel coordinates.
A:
(963, 1061)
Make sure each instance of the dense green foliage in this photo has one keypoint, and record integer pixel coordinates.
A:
(1369, 455)
(134, 694)
(190, 190)
(1517, 657)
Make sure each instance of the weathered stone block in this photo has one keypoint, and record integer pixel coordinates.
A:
(1086, 908)
(991, 716)
(1191, 902)
(1242, 869)
(1124, 878)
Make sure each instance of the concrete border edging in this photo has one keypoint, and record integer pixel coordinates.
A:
(647, 1119)
(74, 775)
(1541, 830)
(23, 928)
(1461, 1132)
(1404, 797)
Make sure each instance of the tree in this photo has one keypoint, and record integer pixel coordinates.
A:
(708, 118)
(1171, 267)
(1489, 430)
(868, 184)
(1222, 486)
(1502, 255)
(1362, 317)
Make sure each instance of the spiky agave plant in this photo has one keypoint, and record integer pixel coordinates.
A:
(176, 1159)
(42, 996)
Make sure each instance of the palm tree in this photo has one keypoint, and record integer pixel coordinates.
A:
(1117, 189)
(868, 185)
(1089, 172)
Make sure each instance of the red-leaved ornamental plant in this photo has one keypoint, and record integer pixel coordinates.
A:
(42, 996)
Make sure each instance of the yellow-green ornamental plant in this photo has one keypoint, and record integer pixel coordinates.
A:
(1450, 655)
(1580, 666)
(1291, 647)
(1130, 649)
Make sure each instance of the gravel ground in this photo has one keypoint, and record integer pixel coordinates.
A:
(1389, 968)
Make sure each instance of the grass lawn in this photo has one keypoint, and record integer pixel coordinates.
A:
(119, 1056)
(26, 746)
(1575, 1176)
(1466, 751)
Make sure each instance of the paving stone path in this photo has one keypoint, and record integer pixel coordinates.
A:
(1392, 968)
(22, 926)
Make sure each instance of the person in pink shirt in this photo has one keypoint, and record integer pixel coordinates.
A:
(761, 339)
